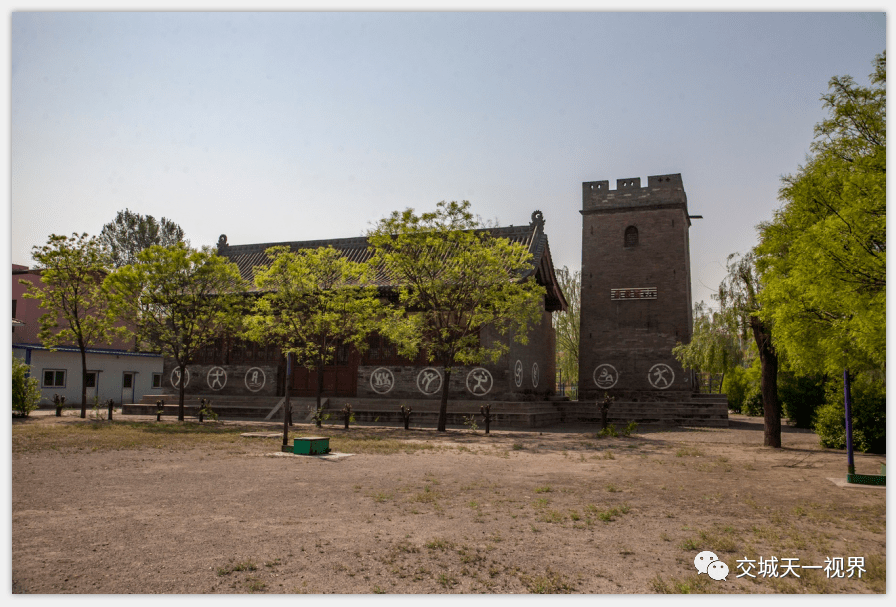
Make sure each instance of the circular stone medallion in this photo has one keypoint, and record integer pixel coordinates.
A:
(216, 378)
(175, 377)
(255, 379)
(382, 380)
(479, 381)
(661, 376)
(429, 381)
(518, 374)
(605, 376)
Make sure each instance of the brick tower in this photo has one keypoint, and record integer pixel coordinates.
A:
(636, 290)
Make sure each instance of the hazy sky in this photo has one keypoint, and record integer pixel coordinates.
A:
(293, 126)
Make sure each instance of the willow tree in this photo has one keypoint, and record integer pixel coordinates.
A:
(179, 299)
(739, 296)
(455, 280)
(566, 325)
(311, 303)
(714, 348)
(77, 309)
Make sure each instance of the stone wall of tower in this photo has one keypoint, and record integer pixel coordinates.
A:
(636, 289)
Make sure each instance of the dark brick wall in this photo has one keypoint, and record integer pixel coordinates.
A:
(398, 381)
(634, 336)
(402, 381)
(538, 352)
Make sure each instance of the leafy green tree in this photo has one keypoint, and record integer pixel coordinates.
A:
(801, 396)
(131, 233)
(179, 299)
(823, 256)
(313, 302)
(714, 348)
(566, 326)
(740, 306)
(73, 268)
(455, 280)
(742, 388)
(25, 390)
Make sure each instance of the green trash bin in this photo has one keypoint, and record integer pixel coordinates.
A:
(311, 445)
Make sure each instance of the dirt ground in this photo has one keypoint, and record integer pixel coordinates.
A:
(551, 510)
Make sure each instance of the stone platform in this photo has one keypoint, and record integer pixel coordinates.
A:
(697, 410)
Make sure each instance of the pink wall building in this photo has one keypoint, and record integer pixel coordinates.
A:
(28, 311)
(114, 371)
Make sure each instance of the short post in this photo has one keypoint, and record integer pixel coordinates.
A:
(111, 404)
(406, 415)
(59, 401)
(347, 414)
(160, 404)
(485, 410)
(605, 409)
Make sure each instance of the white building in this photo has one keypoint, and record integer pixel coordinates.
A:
(125, 377)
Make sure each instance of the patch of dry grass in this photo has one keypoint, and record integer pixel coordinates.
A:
(88, 435)
(91, 435)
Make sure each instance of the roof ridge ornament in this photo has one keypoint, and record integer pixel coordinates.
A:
(222, 242)
(537, 220)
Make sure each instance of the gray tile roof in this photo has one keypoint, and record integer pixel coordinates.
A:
(532, 236)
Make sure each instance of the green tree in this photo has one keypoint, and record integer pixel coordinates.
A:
(179, 299)
(714, 348)
(823, 256)
(566, 326)
(740, 306)
(73, 268)
(129, 233)
(25, 390)
(455, 280)
(313, 302)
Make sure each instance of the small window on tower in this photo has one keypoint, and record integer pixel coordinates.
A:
(631, 236)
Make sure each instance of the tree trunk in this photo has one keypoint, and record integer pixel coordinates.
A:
(320, 389)
(721, 383)
(443, 407)
(847, 409)
(287, 407)
(768, 384)
(181, 387)
(84, 382)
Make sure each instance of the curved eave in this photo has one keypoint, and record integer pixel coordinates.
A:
(554, 300)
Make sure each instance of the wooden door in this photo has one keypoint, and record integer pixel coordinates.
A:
(340, 379)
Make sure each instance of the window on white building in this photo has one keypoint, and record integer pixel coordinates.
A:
(54, 378)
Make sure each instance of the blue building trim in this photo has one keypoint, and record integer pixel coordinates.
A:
(109, 351)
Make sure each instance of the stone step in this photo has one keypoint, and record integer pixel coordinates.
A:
(693, 412)
(668, 409)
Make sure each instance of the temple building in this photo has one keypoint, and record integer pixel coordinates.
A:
(235, 368)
